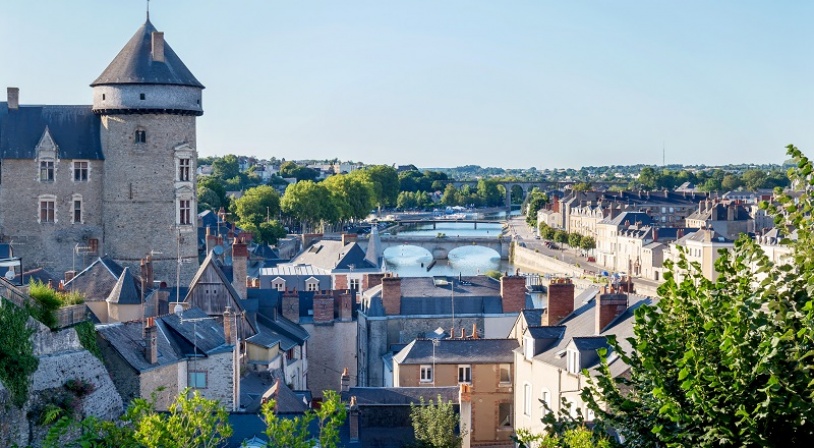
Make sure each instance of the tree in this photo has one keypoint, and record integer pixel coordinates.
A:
(226, 167)
(217, 186)
(450, 196)
(582, 187)
(489, 193)
(353, 195)
(254, 211)
(574, 240)
(385, 182)
(724, 362)
(192, 421)
(731, 182)
(291, 169)
(294, 432)
(434, 424)
(309, 202)
(587, 243)
(208, 199)
(546, 232)
(754, 179)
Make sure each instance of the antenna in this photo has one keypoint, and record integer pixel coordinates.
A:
(148, 9)
(663, 152)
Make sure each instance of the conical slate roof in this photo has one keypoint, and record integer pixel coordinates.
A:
(134, 64)
(125, 293)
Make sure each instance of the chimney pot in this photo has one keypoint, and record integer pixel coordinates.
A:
(13, 98)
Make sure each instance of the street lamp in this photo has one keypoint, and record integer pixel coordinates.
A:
(435, 342)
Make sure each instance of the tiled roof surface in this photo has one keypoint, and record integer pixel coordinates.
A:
(471, 351)
(74, 129)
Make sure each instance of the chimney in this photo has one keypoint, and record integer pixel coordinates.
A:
(463, 333)
(474, 331)
(391, 295)
(560, 301)
(348, 238)
(227, 325)
(13, 98)
(353, 420)
(345, 306)
(69, 275)
(158, 46)
(291, 306)
(151, 342)
(655, 234)
(211, 240)
(373, 279)
(240, 254)
(513, 293)
(344, 381)
(609, 306)
(323, 308)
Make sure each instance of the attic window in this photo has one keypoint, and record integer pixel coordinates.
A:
(103, 97)
(142, 96)
(573, 362)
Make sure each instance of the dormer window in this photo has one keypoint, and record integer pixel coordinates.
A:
(141, 136)
(312, 285)
(528, 348)
(278, 284)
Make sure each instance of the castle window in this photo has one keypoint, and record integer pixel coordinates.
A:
(141, 136)
(46, 171)
(183, 169)
(142, 96)
(80, 171)
(184, 212)
(77, 211)
(48, 209)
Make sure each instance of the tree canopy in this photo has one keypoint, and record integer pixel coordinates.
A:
(724, 363)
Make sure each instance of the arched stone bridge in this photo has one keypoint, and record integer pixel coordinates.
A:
(528, 186)
(441, 247)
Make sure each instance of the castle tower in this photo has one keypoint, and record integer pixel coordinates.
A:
(147, 101)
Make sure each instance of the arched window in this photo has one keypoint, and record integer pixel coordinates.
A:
(141, 136)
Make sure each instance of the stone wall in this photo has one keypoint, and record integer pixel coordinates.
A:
(528, 260)
(330, 351)
(140, 193)
(50, 244)
(61, 358)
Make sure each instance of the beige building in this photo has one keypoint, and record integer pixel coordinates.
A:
(702, 247)
(484, 365)
(555, 350)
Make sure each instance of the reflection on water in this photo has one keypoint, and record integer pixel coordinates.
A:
(413, 261)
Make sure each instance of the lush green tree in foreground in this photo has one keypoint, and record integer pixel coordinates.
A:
(724, 363)
(293, 432)
(434, 424)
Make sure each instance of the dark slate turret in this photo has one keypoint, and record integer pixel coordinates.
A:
(147, 77)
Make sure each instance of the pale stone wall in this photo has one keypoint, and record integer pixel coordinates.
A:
(140, 193)
(220, 377)
(50, 244)
(330, 351)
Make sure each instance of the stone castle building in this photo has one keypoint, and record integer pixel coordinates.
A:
(116, 177)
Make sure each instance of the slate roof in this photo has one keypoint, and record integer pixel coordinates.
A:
(97, 280)
(456, 351)
(550, 332)
(580, 329)
(332, 255)
(74, 129)
(134, 64)
(629, 217)
(433, 296)
(127, 340)
(194, 332)
(125, 292)
(531, 316)
(399, 396)
(5, 251)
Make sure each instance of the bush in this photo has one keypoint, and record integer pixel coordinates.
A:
(87, 337)
(17, 360)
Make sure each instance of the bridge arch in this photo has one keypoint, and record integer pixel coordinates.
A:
(407, 255)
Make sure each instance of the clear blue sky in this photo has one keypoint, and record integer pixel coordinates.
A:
(446, 83)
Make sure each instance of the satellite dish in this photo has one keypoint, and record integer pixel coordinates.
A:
(178, 310)
(218, 250)
(10, 275)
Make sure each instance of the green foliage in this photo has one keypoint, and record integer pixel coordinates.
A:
(560, 236)
(574, 239)
(587, 243)
(410, 200)
(385, 181)
(352, 194)
(87, 337)
(576, 437)
(724, 363)
(309, 202)
(226, 167)
(46, 302)
(434, 424)
(494, 274)
(191, 422)
(427, 181)
(301, 173)
(254, 211)
(17, 360)
(293, 432)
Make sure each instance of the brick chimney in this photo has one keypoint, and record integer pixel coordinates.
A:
(291, 306)
(13, 98)
(240, 255)
(151, 341)
(560, 301)
(348, 238)
(374, 279)
(69, 275)
(513, 293)
(391, 295)
(609, 306)
(345, 299)
(158, 46)
(323, 308)
(228, 315)
(344, 381)
(211, 240)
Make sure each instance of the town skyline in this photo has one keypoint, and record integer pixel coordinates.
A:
(535, 84)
